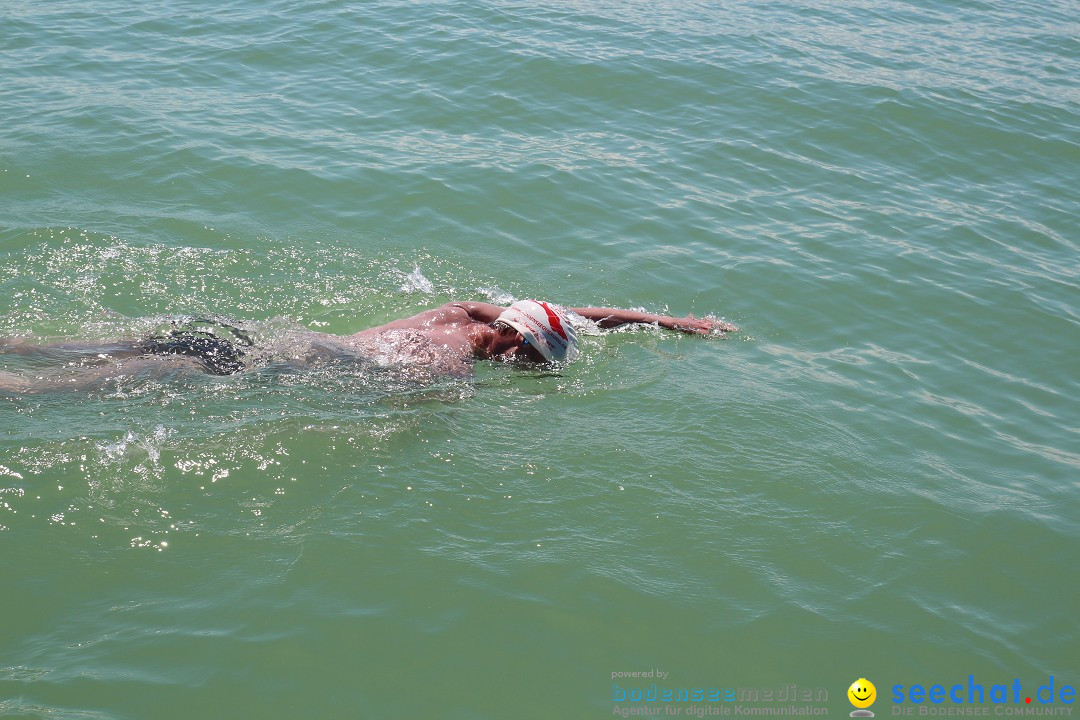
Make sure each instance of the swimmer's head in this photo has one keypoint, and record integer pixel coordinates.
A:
(545, 327)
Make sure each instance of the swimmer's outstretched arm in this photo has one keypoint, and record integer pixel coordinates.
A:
(609, 318)
(613, 317)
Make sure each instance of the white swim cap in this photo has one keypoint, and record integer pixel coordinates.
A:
(546, 328)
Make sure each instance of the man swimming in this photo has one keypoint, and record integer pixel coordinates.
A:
(530, 330)
(446, 340)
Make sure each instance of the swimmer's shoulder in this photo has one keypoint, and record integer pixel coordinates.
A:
(452, 313)
(478, 311)
(445, 316)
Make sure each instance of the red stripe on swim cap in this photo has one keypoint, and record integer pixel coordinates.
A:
(556, 322)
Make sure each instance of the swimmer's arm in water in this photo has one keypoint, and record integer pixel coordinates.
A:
(613, 317)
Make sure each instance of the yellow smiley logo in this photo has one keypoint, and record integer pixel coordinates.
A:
(862, 693)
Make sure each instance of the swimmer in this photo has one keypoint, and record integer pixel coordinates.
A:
(446, 340)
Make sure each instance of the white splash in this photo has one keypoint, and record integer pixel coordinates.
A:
(416, 282)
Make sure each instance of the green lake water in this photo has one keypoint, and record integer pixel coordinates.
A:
(876, 478)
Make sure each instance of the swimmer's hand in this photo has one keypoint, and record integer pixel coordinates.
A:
(699, 326)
